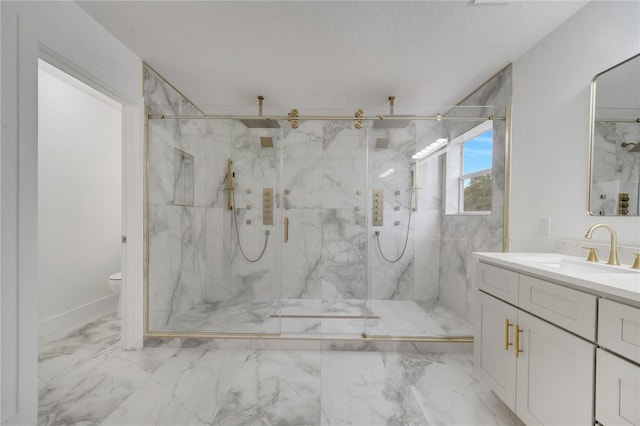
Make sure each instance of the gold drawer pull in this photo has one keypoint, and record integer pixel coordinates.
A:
(506, 334)
(518, 331)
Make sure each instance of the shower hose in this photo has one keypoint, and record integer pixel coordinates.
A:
(406, 238)
(235, 222)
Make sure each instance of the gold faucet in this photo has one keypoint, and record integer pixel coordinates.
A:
(613, 252)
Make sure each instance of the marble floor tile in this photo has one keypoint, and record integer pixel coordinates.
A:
(358, 390)
(452, 323)
(274, 388)
(87, 391)
(189, 388)
(95, 382)
(449, 392)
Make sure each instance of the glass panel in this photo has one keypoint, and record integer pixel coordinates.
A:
(211, 268)
(324, 260)
(477, 153)
(392, 174)
(250, 296)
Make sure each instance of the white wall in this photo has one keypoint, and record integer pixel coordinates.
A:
(79, 200)
(66, 35)
(551, 89)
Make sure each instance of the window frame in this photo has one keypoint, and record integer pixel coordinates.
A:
(458, 144)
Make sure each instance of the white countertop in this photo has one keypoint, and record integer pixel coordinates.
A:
(617, 281)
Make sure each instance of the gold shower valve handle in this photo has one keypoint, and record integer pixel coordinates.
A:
(636, 262)
(286, 229)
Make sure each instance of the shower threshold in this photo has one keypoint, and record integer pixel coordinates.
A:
(314, 319)
(328, 316)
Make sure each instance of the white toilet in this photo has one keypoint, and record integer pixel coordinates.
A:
(115, 284)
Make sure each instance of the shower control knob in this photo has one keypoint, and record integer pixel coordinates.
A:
(358, 192)
(357, 208)
(397, 192)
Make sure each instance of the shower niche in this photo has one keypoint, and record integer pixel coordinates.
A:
(318, 230)
(182, 178)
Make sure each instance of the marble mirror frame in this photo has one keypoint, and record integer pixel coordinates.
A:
(621, 122)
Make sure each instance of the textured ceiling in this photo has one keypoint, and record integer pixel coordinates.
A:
(329, 54)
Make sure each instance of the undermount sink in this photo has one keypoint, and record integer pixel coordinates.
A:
(568, 264)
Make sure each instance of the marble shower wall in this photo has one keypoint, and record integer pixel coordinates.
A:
(176, 213)
(616, 169)
(390, 170)
(463, 234)
(323, 195)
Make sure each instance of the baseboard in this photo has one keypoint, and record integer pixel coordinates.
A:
(62, 324)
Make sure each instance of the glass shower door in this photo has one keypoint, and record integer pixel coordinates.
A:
(324, 258)
(250, 301)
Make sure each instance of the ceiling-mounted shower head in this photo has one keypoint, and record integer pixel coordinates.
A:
(261, 123)
(382, 143)
(394, 123)
(635, 146)
(266, 141)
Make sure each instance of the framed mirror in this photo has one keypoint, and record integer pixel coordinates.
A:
(614, 170)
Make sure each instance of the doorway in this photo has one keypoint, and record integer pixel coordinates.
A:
(79, 201)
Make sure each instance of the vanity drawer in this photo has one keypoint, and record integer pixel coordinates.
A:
(567, 308)
(498, 282)
(619, 329)
(617, 390)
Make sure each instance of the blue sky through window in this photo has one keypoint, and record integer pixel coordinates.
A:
(478, 153)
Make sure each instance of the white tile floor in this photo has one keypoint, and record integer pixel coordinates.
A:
(87, 379)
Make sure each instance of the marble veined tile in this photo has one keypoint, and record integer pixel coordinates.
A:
(187, 390)
(88, 390)
(274, 388)
(402, 317)
(357, 390)
(103, 331)
(452, 323)
(448, 391)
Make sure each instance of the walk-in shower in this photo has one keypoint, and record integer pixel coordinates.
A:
(312, 227)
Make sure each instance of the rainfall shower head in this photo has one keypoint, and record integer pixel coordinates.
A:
(382, 143)
(266, 141)
(635, 147)
(395, 123)
(392, 124)
(261, 123)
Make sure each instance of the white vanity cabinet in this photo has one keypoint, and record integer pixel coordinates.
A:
(558, 339)
(550, 381)
(618, 364)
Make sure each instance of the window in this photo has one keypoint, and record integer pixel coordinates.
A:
(469, 177)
